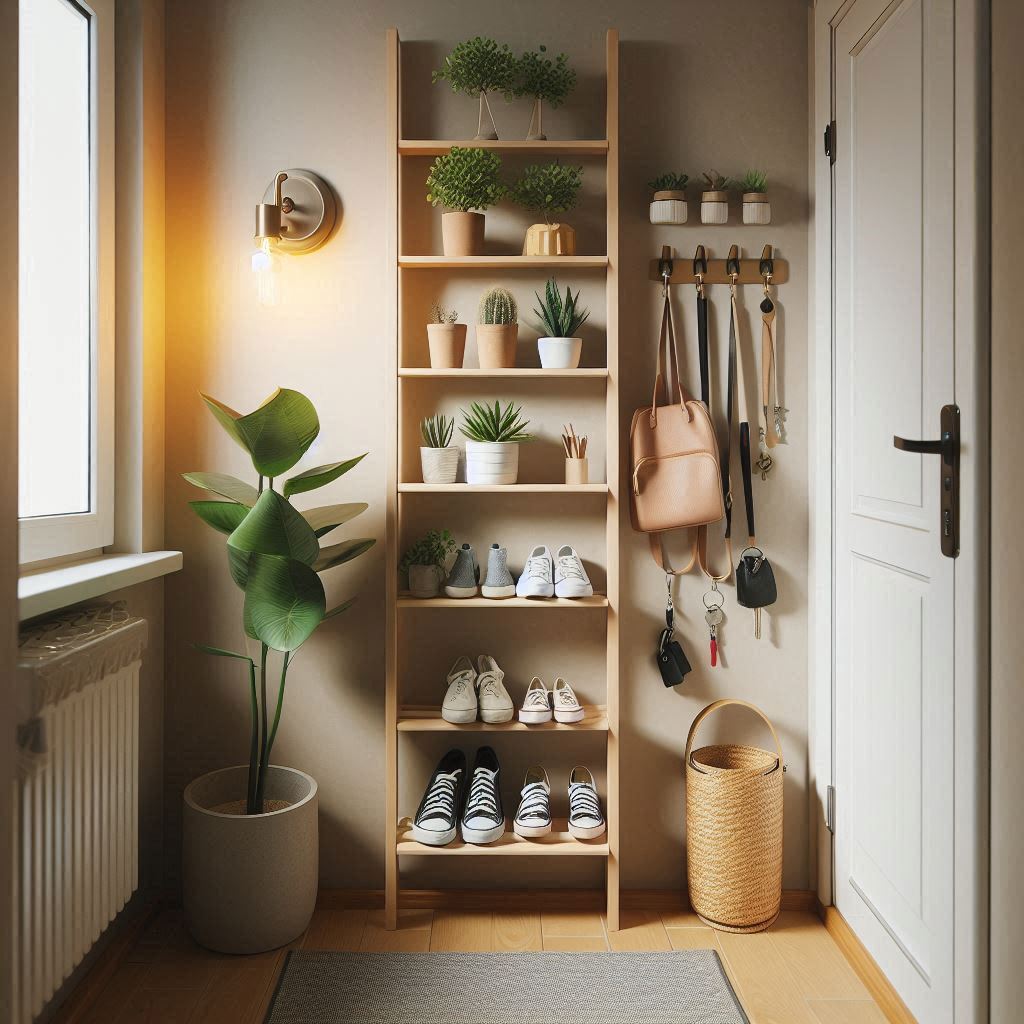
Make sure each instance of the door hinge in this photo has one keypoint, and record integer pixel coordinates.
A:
(830, 809)
(830, 141)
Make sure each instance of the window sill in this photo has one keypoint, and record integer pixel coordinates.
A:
(51, 589)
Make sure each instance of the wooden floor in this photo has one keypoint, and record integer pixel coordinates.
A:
(792, 974)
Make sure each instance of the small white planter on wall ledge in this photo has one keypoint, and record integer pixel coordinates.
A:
(439, 465)
(756, 208)
(559, 353)
(491, 462)
(669, 207)
(714, 207)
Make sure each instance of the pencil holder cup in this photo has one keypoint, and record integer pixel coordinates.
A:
(576, 471)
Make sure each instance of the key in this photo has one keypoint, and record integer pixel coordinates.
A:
(713, 617)
(757, 623)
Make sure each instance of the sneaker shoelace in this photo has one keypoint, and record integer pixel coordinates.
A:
(570, 568)
(538, 568)
(534, 802)
(482, 800)
(583, 802)
(489, 684)
(566, 697)
(440, 802)
(462, 682)
(536, 698)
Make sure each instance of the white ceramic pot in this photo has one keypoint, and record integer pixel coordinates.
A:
(669, 207)
(489, 462)
(559, 353)
(425, 580)
(439, 465)
(756, 208)
(714, 207)
(249, 881)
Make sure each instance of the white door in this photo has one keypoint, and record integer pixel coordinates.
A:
(894, 352)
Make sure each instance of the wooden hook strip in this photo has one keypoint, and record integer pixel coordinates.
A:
(750, 271)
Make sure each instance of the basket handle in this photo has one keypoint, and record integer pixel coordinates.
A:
(714, 706)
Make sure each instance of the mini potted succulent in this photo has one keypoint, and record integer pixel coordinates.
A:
(714, 200)
(559, 319)
(497, 329)
(493, 436)
(439, 459)
(476, 67)
(543, 80)
(465, 182)
(756, 207)
(668, 204)
(549, 190)
(446, 338)
(424, 562)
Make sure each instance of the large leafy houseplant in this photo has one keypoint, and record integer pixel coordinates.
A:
(465, 179)
(476, 67)
(274, 553)
(548, 189)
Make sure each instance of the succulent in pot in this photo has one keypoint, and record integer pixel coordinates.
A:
(446, 338)
(493, 435)
(543, 80)
(558, 320)
(439, 459)
(477, 67)
(424, 562)
(714, 200)
(497, 329)
(756, 207)
(465, 182)
(243, 826)
(668, 203)
(548, 190)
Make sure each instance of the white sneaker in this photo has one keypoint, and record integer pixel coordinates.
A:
(536, 580)
(533, 818)
(460, 701)
(567, 707)
(536, 704)
(492, 697)
(571, 579)
(586, 820)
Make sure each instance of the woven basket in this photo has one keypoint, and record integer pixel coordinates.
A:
(734, 830)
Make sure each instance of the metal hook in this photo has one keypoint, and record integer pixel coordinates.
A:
(732, 265)
(665, 268)
(700, 268)
(767, 267)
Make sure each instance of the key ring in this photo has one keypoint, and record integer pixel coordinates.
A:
(713, 593)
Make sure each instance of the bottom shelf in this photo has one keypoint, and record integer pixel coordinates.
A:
(559, 842)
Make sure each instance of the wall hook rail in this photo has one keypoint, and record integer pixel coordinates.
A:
(717, 271)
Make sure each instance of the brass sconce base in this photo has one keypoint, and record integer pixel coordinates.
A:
(308, 211)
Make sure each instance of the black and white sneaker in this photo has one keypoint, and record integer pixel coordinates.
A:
(586, 820)
(437, 819)
(533, 818)
(483, 819)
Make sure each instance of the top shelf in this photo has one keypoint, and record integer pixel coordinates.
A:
(436, 147)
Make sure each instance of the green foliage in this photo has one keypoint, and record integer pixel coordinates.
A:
(479, 65)
(544, 79)
(442, 315)
(558, 317)
(548, 189)
(273, 550)
(715, 182)
(433, 548)
(465, 179)
(497, 306)
(671, 181)
(437, 431)
(497, 425)
(752, 181)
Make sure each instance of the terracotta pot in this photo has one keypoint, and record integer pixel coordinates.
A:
(492, 462)
(249, 881)
(559, 353)
(714, 207)
(577, 471)
(462, 234)
(447, 344)
(669, 207)
(756, 208)
(425, 580)
(496, 345)
(550, 240)
(439, 465)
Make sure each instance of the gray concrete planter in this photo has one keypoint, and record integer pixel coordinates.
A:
(249, 880)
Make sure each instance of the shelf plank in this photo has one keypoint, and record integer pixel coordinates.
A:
(558, 843)
(535, 603)
(437, 147)
(553, 488)
(502, 262)
(519, 372)
(414, 718)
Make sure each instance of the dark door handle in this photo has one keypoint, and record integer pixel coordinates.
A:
(940, 447)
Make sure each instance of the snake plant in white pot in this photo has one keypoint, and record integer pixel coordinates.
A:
(558, 320)
(493, 436)
(250, 858)
(439, 458)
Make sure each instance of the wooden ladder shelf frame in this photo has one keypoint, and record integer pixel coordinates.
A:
(396, 606)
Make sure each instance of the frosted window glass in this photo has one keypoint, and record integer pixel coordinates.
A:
(55, 291)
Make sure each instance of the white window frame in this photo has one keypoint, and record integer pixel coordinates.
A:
(62, 536)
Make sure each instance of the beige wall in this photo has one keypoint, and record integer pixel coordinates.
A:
(254, 87)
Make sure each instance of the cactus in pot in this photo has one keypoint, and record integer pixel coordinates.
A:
(446, 338)
(497, 329)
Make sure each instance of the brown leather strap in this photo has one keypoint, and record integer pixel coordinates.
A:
(713, 707)
(673, 384)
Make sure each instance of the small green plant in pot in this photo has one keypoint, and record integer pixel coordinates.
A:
(756, 207)
(497, 329)
(477, 67)
(714, 200)
(558, 320)
(241, 824)
(549, 190)
(439, 459)
(465, 182)
(424, 563)
(446, 338)
(493, 435)
(668, 203)
(545, 81)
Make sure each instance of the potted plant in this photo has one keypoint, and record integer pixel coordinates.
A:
(497, 329)
(543, 80)
(714, 200)
(559, 319)
(756, 207)
(493, 437)
(446, 339)
(549, 190)
(476, 67)
(465, 182)
(439, 459)
(424, 562)
(668, 204)
(250, 851)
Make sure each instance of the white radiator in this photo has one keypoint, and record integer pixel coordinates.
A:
(76, 822)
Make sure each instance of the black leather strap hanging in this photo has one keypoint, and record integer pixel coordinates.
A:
(700, 268)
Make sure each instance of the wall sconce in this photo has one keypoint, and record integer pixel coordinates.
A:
(298, 222)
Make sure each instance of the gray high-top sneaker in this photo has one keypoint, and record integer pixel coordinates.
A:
(464, 579)
(499, 582)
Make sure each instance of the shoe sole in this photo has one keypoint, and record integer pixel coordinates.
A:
(482, 836)
(535, 593)
(575, 592)
(498, 593)
(591, 832)
(534, 717)
(458, 717)
(532, 831)
(427, 838)
(497, 717)
(568, 717)
(462, 592)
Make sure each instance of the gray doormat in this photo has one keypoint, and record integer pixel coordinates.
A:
(688, 987)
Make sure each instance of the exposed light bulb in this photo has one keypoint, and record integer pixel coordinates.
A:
(266, 267)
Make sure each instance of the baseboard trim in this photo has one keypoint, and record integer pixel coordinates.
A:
(887, 998)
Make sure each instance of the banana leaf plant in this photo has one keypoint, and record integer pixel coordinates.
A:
(274, 553)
